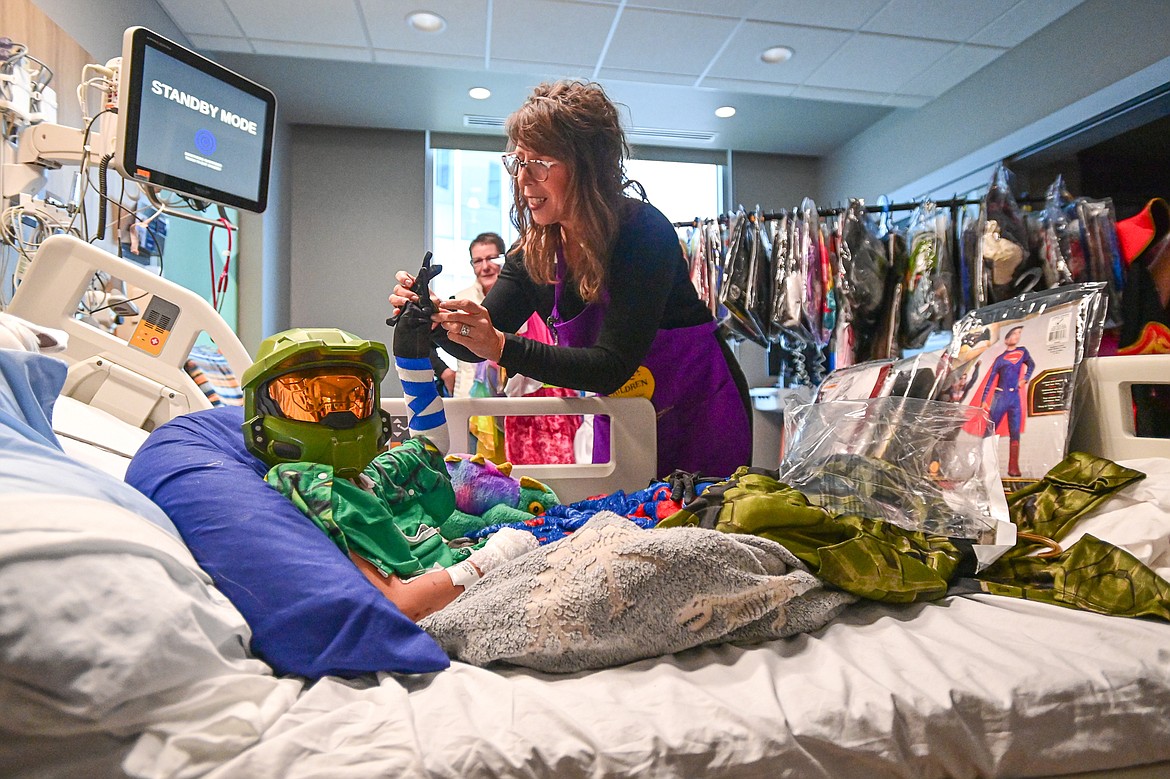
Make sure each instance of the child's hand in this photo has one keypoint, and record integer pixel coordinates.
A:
(505, 544)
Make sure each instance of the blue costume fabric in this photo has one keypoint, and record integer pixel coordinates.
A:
(1004, 378)
(645, 508)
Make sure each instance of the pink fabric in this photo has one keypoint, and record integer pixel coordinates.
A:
(544, 439)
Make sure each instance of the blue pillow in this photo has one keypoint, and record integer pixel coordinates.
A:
(312, 612)
(31, 458)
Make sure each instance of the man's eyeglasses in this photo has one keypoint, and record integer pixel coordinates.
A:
(537, 169)
(481, 260)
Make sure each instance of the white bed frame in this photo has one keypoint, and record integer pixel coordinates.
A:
(145, 390)
(1103, 420)
(105, 372)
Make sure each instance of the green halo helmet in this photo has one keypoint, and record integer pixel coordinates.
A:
(312, 395)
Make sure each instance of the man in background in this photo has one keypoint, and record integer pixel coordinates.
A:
(487, 257)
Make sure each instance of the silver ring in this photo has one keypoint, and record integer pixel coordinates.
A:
(464, 330)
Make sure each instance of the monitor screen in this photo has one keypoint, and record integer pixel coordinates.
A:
(191, 126)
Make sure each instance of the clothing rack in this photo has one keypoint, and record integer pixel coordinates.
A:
(876, 208)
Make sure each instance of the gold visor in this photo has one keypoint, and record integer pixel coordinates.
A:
(312, 394)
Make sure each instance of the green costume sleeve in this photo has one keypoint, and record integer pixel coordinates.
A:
(1091, 574)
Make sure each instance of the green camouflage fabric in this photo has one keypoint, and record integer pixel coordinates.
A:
(1091, 574)
(866, 557)
(880, 561)
(395, 524)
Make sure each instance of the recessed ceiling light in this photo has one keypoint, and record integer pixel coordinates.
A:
(725, 111)
(777, 54)
(425, 21)
(479, 93)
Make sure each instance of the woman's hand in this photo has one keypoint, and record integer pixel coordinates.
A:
(469, 324)
(404, 293)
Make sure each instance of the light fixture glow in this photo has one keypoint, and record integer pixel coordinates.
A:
(777, 54)
(723, 112)
(425, 21)
(479, 93)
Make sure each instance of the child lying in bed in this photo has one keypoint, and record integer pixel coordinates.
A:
(312, 413)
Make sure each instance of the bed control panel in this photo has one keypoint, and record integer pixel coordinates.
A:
(155, 326)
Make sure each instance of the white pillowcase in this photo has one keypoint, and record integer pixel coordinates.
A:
(117, 654)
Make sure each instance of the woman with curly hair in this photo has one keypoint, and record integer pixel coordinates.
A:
(606, 272)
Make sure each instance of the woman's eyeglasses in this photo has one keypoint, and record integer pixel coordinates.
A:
(537, 169)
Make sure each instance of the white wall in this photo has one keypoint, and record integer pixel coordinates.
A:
(264, 249)
(1099, 55)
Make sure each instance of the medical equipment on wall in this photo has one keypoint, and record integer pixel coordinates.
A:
(169, 120)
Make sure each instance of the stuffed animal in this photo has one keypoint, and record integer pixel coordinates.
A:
(487, 494)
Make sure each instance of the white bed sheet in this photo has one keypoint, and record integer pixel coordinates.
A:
(971, 686)
(116, 650)
(95, 437)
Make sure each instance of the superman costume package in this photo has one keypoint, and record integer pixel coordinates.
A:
(1017, 359)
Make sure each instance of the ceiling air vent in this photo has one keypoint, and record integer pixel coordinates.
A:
(659, 134)
(476, 120)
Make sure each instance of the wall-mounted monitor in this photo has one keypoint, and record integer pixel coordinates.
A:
(191, 126)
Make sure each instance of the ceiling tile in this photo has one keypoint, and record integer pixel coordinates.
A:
(465, 33)
(877, 63)
(210, 18)
(947, 20)
(907, 101)
(666, 42)
(332, 24)
(838, 14)
(555, 33)
(542, 71)
(313, 51)
(954, 67)
(428, 60)
(646, 76)
(205, 43)
(741, 58)
(1023, 21)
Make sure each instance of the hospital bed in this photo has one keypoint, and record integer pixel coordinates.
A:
(119, 654)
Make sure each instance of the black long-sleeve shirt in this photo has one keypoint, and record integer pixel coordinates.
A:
(649, 290)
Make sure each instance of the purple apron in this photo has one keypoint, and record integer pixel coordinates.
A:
(703, 426)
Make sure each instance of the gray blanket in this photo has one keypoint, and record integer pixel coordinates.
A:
(612, 593)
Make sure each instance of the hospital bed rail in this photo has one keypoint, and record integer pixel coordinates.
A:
(142, 382)
(146, 385)
(633, 440)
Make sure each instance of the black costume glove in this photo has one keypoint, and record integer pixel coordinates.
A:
(412, 324)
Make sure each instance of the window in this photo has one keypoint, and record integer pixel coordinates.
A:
(680, 190)
(471, 194)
